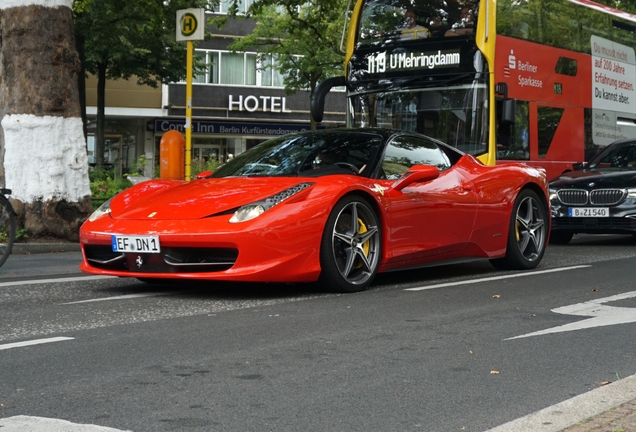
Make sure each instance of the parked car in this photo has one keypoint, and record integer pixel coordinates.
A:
(597, 198)
(334, 206)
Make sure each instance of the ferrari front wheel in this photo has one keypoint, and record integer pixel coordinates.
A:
(350, 248)
(527, 236)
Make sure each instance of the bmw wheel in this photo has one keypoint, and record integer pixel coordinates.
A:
(527, 235)
(350, 249)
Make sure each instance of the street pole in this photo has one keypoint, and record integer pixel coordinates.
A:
(190, 27)
(188, 148)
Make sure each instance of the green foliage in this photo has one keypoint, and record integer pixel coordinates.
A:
(133, 38)
(104, 184)
(21, 234)
(303, 36)
(200, 165)
(137, 167)
(119, 39)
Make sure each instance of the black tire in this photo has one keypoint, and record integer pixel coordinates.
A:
(527, 235)
(7, 229)
(350, 253)
(560, 237)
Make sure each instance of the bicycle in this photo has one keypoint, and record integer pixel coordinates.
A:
(7, 225)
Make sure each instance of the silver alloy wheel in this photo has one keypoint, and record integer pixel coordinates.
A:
(530, 228)
(356, 243)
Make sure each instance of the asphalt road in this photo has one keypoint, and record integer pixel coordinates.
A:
(437, 349)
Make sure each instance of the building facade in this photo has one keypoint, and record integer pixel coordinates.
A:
(236, 103)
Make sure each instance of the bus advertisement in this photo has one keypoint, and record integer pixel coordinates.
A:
(544, 82)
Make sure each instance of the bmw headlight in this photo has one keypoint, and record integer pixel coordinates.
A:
(553, 195)
(631, 193)
(254, 210)
(101, 211)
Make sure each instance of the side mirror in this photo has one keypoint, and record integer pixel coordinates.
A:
(416, 174)
(204, 174)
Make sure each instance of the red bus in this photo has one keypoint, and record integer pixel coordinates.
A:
(545, 82)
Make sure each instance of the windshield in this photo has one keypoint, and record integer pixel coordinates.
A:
(616, 157)
(404, 20)
(308, 154)
(457, 115)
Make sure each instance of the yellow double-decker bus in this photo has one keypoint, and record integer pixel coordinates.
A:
(545, 82)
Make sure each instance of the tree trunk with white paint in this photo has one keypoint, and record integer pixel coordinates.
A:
(45, 160)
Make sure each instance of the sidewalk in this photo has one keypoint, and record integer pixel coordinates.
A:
(33, 248)
(620, 419)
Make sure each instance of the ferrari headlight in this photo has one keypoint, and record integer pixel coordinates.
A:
(251, 211)
(631, 193)
(247, 212)
(101, 211)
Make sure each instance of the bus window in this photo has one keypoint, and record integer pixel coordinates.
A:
(513, 139)
(549, 119)
(397, 20)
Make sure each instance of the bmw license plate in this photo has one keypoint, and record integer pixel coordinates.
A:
(588, 212)
(145, 244)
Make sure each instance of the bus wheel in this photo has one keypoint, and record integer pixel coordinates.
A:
(527, 235)
(560, 237)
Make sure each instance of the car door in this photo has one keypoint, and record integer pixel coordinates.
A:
(429, 218)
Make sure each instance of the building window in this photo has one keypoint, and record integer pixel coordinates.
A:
(270, 75)
(224, 6)
(226, 67)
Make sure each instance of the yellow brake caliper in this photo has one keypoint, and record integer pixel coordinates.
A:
(362, 228)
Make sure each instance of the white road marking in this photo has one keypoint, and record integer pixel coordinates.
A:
(42, 424)
(34, 342)
(121, 297)
(488, 279)
(602, 315)
(67, 279)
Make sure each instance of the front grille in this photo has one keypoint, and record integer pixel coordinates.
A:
(102, 256)
(606, 197)
(573, 196)
(193, 257)
(170, 260)
(611, 223)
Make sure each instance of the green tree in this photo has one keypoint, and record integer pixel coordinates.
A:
(303, 38)
(119, 39)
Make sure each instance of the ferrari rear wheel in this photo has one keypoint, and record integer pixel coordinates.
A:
(350, 249)
(527, 235)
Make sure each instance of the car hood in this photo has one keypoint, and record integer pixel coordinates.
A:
(602, 179)
(197, 199)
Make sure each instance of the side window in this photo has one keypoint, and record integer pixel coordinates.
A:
(405, 151)
(513, 139)
(549, 119)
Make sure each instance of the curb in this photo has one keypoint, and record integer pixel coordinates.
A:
(582, 408)
(36, 248)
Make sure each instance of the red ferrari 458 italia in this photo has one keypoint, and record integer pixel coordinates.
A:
(333, 206)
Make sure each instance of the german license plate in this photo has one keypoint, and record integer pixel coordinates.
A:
(588, 212)
(139, 244)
